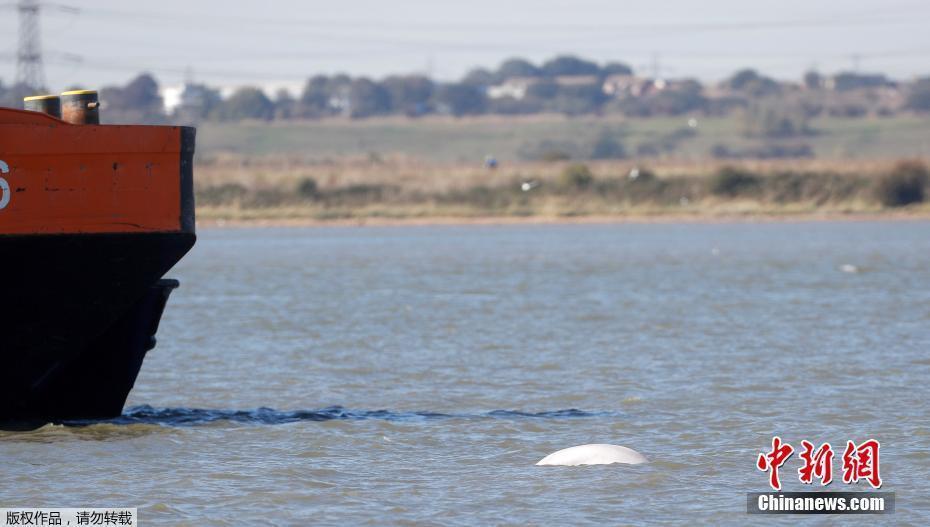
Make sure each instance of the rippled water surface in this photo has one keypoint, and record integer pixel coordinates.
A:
(353, 376)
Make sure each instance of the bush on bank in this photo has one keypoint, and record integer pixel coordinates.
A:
(577, 186)
(576, 176)
(904, 185)
(732, 182)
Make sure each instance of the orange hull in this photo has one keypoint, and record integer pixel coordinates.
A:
(91, 219)
(58, 178)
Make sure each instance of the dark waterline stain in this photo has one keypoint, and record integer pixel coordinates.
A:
(269, 416)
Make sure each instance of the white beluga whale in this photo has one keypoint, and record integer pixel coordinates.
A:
(597, 454)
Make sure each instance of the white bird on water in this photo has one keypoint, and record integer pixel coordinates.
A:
(596, 454)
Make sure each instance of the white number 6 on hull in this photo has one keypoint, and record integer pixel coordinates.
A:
(4, 186)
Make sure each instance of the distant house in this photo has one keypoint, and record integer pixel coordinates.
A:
(631, 86)
(576, 80)
(856, 94)
(340, 102)
(719, 91)
(193, 97)
(191, 103)
(514, 87)
(518, 87)
(891, 97)
(846, 81)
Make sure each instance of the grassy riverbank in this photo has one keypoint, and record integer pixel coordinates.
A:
(447, 140)
(431, 169)
(280, 190)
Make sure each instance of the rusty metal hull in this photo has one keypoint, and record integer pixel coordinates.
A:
(72, 292)
(91, 219)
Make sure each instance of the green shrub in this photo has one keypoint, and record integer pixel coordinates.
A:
(551, 151)
(576, 176)
(730, 181)
(775, 121)
(641, 175)
(641, 185)
(817, 188)
(307, 188)
(481, 197)
(359, 194)
(553, 156)
(607, 146)
(224, 194)
(904, 185)
(268, 198)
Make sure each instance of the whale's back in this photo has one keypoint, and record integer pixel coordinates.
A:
(595, 454)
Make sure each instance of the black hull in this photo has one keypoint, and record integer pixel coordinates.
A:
(78, 315)
(96, 386)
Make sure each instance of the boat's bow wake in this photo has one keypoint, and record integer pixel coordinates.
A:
(269, 416)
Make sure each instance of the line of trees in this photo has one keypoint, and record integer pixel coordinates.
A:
(564, 84)
(414, 95)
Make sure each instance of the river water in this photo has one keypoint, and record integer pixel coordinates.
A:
(415, 375)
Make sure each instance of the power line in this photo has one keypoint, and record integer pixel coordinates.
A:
(356, 34)
(847, 19)
(29, 71)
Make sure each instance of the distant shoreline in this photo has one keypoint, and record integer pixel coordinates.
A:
(697, 218)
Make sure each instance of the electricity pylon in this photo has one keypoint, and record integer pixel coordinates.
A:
(29, 71)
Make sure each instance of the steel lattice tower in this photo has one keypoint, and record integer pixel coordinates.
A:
(29, 71)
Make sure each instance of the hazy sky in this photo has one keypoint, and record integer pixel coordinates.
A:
(282, 42)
